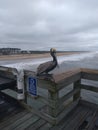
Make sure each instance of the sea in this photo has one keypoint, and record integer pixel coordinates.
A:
(66, 62)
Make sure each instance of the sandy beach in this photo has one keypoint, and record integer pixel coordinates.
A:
(33, 56)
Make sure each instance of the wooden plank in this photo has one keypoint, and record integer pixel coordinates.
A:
(53, 96)
(4, 80)
(91, 121)
(25, 89)
(11, 93)
(67, 96)
(7, 74)
(36, 104)
(46, 101)
(67, 110)
(88, 104)
(68, 80)
(71, 116)
(29, 73)
(89, 76)
(78, 119)
(4, 124)
(60, 77)
(77, 87)
(45, 84)
(9, 98)
(38, 124)
(44, 116)
(93, 124)
(7, 83)
(45, 127)
(90, 71)
(26, 123)
(18, 122)
(11, 115)
(90, 88)
(81, 119)
(67, 119)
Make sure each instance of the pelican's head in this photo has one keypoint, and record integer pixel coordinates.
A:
(52, 50)
(53, 54)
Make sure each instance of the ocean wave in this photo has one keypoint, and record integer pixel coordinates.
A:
(28, 64)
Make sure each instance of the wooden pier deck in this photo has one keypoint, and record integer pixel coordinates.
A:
(62, 109)
(82, 117)
(14, 117)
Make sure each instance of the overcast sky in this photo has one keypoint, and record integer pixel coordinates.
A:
(42, 24)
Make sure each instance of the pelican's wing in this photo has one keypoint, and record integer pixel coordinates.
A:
(43, 67)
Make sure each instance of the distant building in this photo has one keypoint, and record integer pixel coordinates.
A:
(25, 52)
(9, 51)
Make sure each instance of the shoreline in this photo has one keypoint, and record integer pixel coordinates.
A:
(33, 56)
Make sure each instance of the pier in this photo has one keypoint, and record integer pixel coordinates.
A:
(57, 103)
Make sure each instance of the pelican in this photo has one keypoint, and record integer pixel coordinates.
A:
(46, 67)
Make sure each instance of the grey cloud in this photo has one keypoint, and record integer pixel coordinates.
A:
(49, 23)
